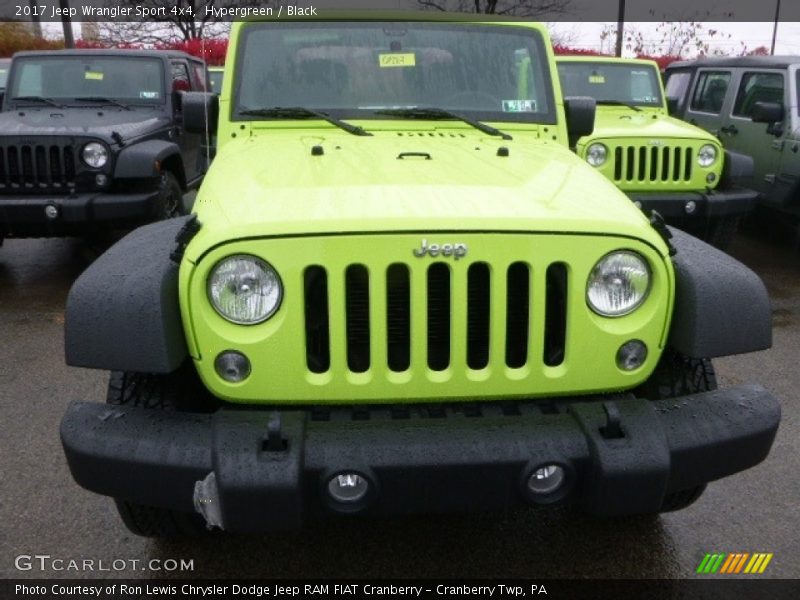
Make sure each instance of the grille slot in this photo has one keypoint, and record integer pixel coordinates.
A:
(555, 323)
(357, 311)
(398, 317)
(438, 317)
(478, 281)
(38, 167)
(318, 348)
(517, 314)
(639, 164)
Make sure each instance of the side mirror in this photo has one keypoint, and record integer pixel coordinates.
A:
(200, 112)
(580, 112)
(767, 112)
(672, 105)
(2, 97)
(770, 113)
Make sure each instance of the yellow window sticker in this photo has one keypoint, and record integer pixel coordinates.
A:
(596, 79)
(93, 75)
(397, 59)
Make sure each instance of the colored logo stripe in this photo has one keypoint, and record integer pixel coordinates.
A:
(734, 562)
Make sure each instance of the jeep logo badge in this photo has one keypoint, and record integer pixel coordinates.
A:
(456, 250)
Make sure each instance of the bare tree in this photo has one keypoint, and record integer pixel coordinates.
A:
(170, 20)
(511, 8)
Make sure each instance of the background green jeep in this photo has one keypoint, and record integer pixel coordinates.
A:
(402, 292)
(662, 163)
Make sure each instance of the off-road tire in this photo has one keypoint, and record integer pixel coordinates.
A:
(678, 375)
(182, 391)
(722, 230)
(170, 197)
(681, 499)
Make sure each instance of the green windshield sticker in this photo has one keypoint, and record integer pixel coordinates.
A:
(148, 95)
(93, 75)
(406, 59)
(596, 79)
(518, 106)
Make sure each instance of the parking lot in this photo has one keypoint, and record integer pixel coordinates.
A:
(42, 511)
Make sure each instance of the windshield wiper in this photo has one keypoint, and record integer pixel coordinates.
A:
(36, 99)
(441, 113)
(104, 100)
(298, 112)
(620, 103)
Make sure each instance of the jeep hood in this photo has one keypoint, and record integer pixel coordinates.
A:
(394, 181)
(621, 122)
(97, 121)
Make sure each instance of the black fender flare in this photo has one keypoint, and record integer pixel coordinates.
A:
(721, 306)
(737, 169)
(123, 312)
(138, 161)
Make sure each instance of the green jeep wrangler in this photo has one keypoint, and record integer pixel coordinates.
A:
(402, 292)
(662, 163)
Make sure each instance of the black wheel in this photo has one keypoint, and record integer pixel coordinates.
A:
(180, 390)
(681, 499)
(170, 199)
(722, 230)
(679, 375)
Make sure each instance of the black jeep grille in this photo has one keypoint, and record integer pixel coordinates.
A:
(443, 289)
(37, 168)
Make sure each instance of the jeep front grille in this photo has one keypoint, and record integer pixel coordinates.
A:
(429, 315)
(652, 164)
(37, 168)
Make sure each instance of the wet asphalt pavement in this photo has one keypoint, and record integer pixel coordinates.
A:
(42, 511)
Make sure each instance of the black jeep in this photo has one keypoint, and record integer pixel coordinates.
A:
(92, 140)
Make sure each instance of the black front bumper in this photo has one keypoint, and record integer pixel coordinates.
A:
(417, 460)
(734, 201)
(26, 216)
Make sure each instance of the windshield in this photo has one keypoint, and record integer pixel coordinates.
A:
(4, 64)
(354, 70)
(634, 84)
(132, 80)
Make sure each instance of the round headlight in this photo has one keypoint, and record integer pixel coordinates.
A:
(707, 155)
(596, 154)
(244, 289)
(618, 284)
(94, 155)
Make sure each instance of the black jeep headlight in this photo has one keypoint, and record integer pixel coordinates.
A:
(618, 284)
(244, 289)
(95, 155)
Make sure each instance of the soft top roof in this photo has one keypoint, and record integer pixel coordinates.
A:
(108, 52)
(739, 61)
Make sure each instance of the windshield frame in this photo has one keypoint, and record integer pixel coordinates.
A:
(630, 65)
(72, 102)
(550, 117)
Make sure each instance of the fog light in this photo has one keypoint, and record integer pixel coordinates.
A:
(546, 480)
(50, 211)
(631, 355)
(232, 366)
(711, 177)
(348, 487)
(690, 207)
(101, 180)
